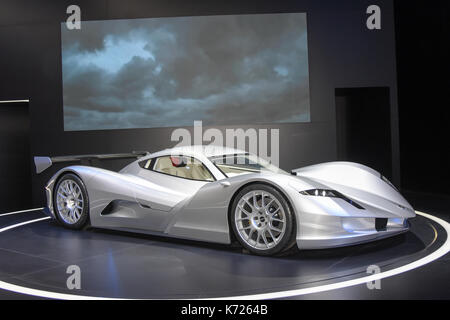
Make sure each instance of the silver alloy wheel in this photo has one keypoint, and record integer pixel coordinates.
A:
(260, 219)
(69, 201)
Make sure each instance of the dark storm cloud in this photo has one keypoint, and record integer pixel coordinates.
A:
(171, 71)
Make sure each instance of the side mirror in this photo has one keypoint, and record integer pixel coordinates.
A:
(178, 161)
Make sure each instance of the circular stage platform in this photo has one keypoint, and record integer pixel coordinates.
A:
(36, 253)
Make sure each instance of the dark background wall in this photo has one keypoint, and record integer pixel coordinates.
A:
(423, 55)
(343, 53)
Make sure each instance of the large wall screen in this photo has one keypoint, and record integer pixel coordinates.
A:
(168, 72)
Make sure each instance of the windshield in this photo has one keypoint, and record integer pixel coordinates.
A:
(237, 164)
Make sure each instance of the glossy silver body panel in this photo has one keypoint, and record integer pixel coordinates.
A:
(157, 203)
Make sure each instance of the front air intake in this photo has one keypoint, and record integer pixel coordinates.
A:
(381, 224)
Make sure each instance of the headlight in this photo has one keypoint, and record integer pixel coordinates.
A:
(330, 194)
(320, 192)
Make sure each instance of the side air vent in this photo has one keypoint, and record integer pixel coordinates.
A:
(110, 208)
(123, 206)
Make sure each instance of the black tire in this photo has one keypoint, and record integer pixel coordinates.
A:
(83, 219)
(284, 243)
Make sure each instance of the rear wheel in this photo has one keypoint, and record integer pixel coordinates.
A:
(70, 202)
(262, 220)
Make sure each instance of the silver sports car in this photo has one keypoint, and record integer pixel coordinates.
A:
(224, 195)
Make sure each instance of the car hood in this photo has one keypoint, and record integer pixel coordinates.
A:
(359, 183)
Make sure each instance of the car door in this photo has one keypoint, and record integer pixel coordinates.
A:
(175, 179)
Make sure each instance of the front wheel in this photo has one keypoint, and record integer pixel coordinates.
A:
(262, 220)
(70, 202)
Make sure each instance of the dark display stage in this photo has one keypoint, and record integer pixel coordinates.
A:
(36, 255)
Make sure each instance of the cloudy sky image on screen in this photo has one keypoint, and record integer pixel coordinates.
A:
(168, 72)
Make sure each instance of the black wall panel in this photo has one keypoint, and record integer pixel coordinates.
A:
(423, 53)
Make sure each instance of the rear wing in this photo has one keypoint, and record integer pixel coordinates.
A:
(43, 163)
